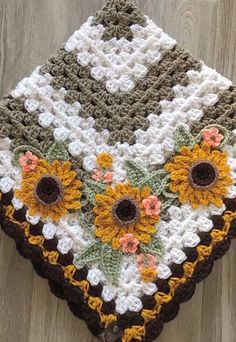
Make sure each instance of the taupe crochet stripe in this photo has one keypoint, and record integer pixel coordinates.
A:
(222, 113)
(21, 127)
(121, 113)
(117, 16)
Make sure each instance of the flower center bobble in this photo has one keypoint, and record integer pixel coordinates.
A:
(203, 175)
(125, 211)
(49, 190)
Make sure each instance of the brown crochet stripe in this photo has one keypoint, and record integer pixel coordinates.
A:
(222, 113)
(64, 280)
(121, 113)
(181, 288)
(165, 300)
(118, 17)
(22, 128)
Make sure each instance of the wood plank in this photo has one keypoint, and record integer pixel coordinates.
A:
(32, 30)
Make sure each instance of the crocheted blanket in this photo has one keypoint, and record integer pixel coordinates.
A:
(117, 172)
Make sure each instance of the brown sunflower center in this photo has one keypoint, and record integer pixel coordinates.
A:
(49, 190)
(203, 174)
(125, 211)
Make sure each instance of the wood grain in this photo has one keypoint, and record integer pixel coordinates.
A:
(32, 30)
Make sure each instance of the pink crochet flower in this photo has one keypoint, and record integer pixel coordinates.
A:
(152, 205)
(212, 136)
(108, 177)
(146, 261)
(129, 243)
(97, 175)
(28, 161)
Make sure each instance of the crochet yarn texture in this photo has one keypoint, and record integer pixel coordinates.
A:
(117, 172)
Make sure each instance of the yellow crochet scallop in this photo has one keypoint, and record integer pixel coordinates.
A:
(180, 175)
(148, 274)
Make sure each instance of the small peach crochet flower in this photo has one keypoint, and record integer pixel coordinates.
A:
(146, 261)
(97, 175)
(152, 205)
(28, 161)
(212, 136)
(129, 243)
(108, 177)
(104, 160)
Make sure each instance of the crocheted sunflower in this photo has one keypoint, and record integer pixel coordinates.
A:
(120, 211)
(200, 176)
(50, 190)
(111, 108)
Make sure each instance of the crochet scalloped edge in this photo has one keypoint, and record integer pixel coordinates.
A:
(61, 288)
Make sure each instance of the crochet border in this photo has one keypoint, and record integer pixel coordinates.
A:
(62, 289)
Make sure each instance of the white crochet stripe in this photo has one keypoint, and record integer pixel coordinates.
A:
(156, 144)
(179, 232)
(152, 147)
(119, 62)
(10, 175)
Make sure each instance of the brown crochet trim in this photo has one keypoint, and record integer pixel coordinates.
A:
(74, 296)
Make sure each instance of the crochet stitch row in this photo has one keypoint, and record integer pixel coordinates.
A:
(117, 172)
(177, 289)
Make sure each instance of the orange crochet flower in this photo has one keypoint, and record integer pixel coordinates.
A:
(97, 175)
(152, 205)
(108, 177)
(120, 211)
(129, 243)
(145, 261)
(105, 160)
(28, 161)
(50, 190)
(212, 136)
(200, 175)
(147, 267)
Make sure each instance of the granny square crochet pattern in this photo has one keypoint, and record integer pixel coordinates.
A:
(117, 172)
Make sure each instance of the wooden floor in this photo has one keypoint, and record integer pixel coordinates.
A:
(32, 30)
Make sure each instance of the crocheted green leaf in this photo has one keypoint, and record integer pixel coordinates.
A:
(168, 202)
(110, 262)
(57, 152)
(24, 148)
(170, 195)
(135, 173)
(155, 247)
(91, 189)
(85, 219)
(183, 138)
(89, 255)
(158, 181)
